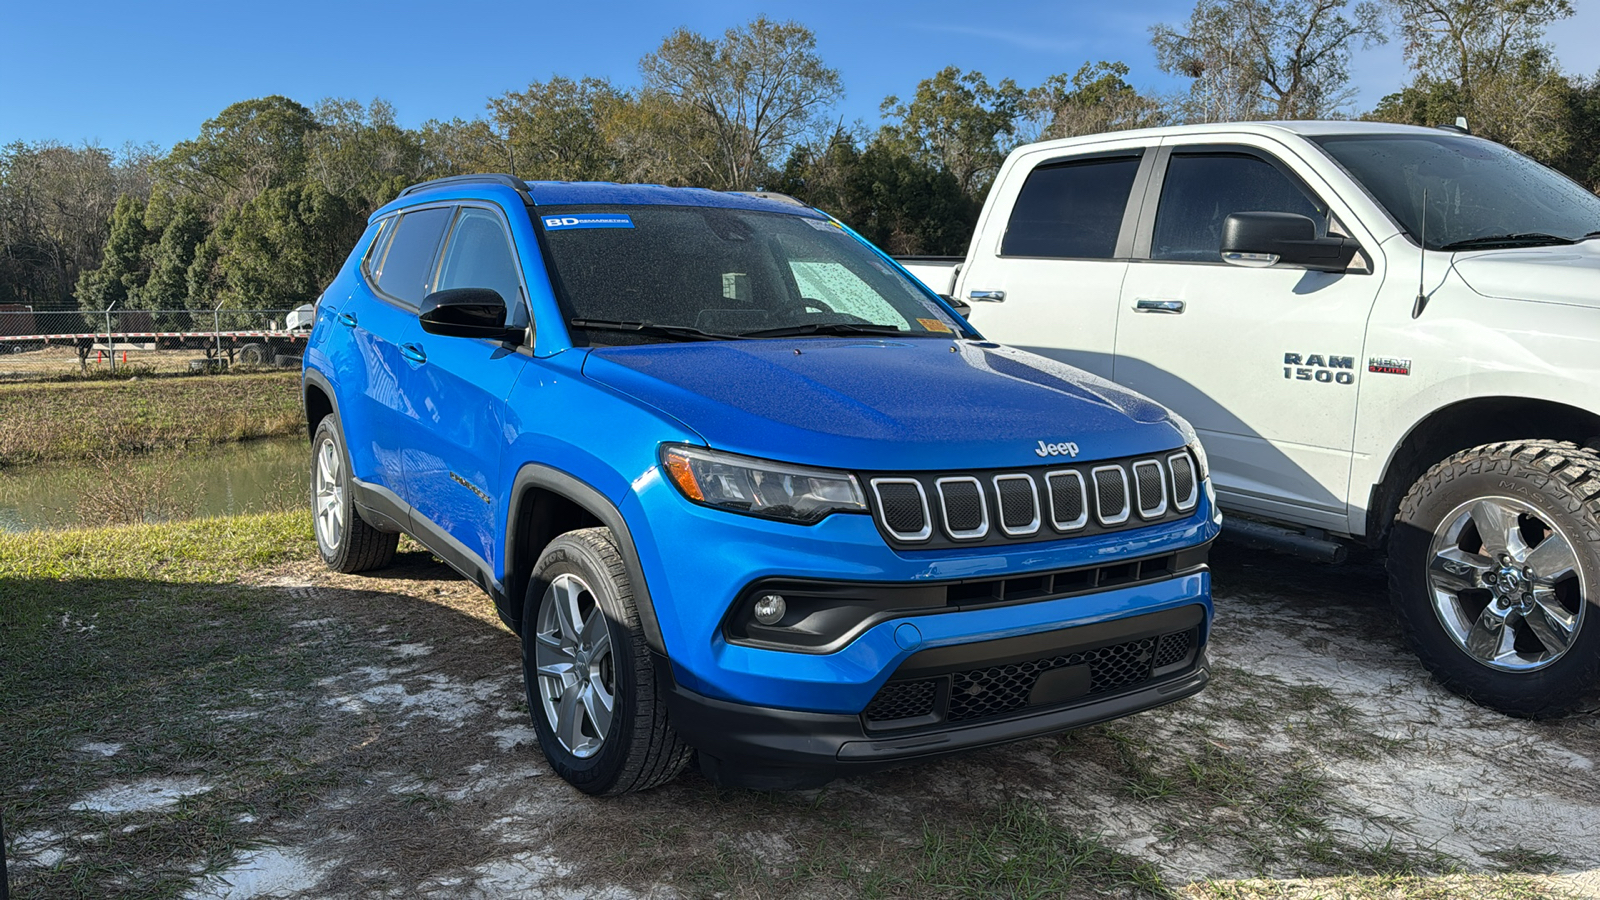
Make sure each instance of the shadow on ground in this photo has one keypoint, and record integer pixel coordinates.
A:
(309, 734)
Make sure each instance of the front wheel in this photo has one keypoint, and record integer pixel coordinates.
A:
(1494, 571)
(590, 675)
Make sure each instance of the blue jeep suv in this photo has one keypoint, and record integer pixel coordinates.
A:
(743, 487)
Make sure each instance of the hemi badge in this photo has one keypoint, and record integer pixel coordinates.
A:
(1388, 365)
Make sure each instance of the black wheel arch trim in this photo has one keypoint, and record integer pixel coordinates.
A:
(310, 378)
(520, 560)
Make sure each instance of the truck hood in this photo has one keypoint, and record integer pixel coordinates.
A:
(886, 404)
(1568, 274)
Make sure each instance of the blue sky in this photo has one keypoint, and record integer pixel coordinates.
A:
(153, 71)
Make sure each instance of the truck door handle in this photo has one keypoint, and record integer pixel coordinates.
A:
(414, 353)
(347, 319)
(987, 296)
(1169, 307)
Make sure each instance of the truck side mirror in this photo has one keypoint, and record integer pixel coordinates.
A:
(469, 313)
(1260, 239)
(960, 306)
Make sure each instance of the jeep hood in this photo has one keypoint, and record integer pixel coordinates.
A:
(1569, 274)
(885, 404)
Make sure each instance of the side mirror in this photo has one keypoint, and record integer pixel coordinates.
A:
(1260, 239)
(960, 306)
(468, 313)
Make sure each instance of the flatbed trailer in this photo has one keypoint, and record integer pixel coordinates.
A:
(257, 347)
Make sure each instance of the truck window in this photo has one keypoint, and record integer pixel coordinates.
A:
(410, 256)
(1202, 189)
(1072, 210)
(479, 255)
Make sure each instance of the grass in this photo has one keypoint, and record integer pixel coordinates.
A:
(92, 419)
(139, 636)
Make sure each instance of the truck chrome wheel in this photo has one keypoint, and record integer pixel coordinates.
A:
(1506, 584)
(328, 496)
(577, 675)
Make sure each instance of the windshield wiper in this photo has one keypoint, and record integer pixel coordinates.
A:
(826, 328)
(678, 331)
(1526, 239)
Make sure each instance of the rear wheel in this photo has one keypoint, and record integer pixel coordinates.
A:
(347, 543)
(589, 674)
(1494, 569)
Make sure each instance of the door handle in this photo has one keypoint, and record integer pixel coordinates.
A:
(348, 319)
(414, 353)
(1169, 307)
(987, 296)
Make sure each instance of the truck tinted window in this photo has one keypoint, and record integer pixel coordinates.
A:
(1202, 190)
(406, 264)
(1476, 189)
(1071, 211)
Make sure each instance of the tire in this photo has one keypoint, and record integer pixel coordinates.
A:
(347, 543)
(254, 355)
(582, 644)
(1494, 571)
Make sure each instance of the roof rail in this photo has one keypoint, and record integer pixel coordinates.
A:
(510, 181)
(772, 195)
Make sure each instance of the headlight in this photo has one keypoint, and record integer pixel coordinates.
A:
(1192, 440)
(760, 487)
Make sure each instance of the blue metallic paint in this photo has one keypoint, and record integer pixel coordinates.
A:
(862, 404)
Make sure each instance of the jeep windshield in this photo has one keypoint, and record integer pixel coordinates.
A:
(1480, 195)
(649, 274)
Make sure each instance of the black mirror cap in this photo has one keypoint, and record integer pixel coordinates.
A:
(469, 313)
(1265, 238)
(960, 306)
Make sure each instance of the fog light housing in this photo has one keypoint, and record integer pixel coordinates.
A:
(770, 608)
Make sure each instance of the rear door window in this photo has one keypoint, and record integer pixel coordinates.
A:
(1071, 210)
(409, 259)
(1202, 189)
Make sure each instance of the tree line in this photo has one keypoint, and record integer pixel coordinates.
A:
(259, 208)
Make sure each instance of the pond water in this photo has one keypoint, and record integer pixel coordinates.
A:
(232, 479)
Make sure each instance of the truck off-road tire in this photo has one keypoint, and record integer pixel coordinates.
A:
(347, 543)
(590, 675)
(1494, 570)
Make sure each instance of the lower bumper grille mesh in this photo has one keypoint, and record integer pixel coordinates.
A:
(997, 690)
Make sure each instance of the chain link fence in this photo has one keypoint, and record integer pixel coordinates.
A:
(37, 345)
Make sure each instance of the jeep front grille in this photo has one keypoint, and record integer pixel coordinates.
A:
(988, 507)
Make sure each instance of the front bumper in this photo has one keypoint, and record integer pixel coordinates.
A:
(982, 694)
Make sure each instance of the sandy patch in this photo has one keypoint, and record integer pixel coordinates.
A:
(269, 872)
(140, 796)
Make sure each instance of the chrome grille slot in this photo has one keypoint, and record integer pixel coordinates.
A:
(1019, 504)
(1151, 483)
(961, 505)
(905, 508)
(1111, 494)
(1185, 487)
(1068, 509)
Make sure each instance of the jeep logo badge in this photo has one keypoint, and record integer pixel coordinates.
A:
(1066, 449)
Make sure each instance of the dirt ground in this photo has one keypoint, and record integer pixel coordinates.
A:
(1321, 762)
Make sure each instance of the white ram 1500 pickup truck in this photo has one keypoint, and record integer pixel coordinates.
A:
(1383, 334)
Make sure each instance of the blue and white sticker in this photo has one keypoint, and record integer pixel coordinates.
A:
(588, 220)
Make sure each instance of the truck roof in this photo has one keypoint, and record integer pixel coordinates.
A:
(1271, 129)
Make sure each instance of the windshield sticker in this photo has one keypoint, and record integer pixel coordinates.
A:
(825, 225)
(935, 325)
(588, 220)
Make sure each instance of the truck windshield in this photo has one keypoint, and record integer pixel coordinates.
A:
(647, 274)
(1479, 193)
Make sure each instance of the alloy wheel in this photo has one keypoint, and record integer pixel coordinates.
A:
(328, 495)
(574, 665)
(1506, 584)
